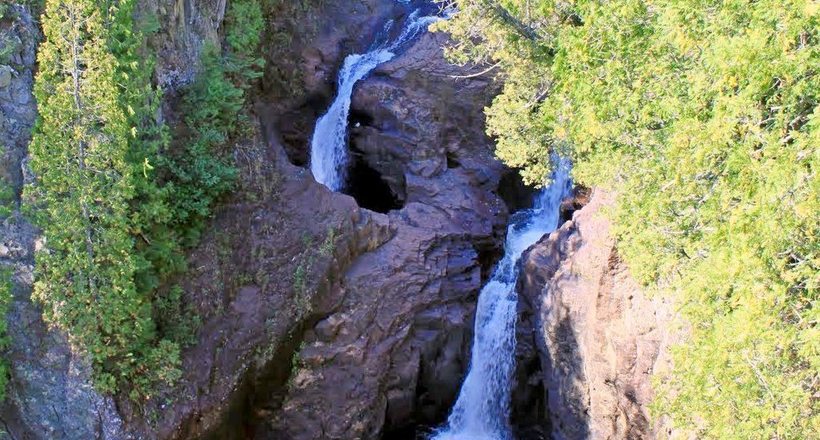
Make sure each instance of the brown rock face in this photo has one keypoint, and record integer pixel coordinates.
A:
(320, 319)
(598, 336)
(395, 350)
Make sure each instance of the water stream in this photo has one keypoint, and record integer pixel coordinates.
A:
(328, 147)
(483, 407)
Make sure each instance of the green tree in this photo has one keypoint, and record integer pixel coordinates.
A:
(83, 193)
(202, 172)
(6, 298)
(703, 117)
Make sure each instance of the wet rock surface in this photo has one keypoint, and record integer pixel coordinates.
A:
(596, 333)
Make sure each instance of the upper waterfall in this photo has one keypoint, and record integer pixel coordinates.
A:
(483, 406)
(328, 147)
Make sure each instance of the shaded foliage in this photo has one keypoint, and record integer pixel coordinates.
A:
(5, 302)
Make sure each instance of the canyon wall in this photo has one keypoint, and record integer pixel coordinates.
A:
(599, 337)
(320, 319)
(334, 316)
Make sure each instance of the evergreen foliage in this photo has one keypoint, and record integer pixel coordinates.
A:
(703, 117)
(5, 302)
(204, 171)
(85, 186)
(117, 205)
(7, 195)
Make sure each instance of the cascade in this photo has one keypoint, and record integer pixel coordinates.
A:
(482, 409)
(328, 146)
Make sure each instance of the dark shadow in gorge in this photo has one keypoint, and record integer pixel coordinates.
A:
(529, 412)
(515, 194)
(536, 369)
(567, 366)
(369, 188)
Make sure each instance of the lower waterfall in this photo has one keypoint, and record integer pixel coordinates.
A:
(483, 407)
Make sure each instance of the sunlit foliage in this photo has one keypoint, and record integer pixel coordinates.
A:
(116, 203)
(703, 117)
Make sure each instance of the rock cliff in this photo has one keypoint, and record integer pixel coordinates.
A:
(394, 351)
(598, 335)
(340, 316)
(320, 318)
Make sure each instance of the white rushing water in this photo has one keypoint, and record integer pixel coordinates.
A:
(483, 406)
(328, 147)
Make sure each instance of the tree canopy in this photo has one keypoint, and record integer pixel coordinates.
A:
(703, 117)
(116, 199)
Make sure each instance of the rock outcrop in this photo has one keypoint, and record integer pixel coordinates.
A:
(597, 334)
(394, 352)
(320, 319)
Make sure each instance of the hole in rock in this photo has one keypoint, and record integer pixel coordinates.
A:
(515, 194)
(369, 187)
(359, 118)
(452, 161)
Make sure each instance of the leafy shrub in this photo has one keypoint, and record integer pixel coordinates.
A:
(204, 171)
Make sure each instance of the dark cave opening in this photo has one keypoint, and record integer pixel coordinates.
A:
(515, 194)
(369, 187)
(358, 118)
(452, 161)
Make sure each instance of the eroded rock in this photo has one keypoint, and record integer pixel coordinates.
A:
(598, 336)
(395, 351)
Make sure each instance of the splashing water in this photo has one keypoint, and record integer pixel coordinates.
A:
(328, 147)
(483, 406)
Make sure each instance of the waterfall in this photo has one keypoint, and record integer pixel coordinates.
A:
(328, 147)
(483, 406)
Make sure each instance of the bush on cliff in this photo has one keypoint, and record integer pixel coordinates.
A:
(115, 204)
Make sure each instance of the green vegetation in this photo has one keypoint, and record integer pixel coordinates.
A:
(85, 186)
(116, 198)
(703, 117)
(329, 244)
(5, 302)
(204, 170)
(6, 198)
(7, 194)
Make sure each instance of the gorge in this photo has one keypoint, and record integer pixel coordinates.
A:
(357, 219)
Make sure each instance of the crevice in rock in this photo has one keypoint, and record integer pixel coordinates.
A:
(452, 160)
(374, 177)
(487, 259)
(296, 128)
(358, 118)
(369, 187)
(515, 194)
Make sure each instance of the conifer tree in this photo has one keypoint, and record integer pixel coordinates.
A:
(85, 186)
(704, 118)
